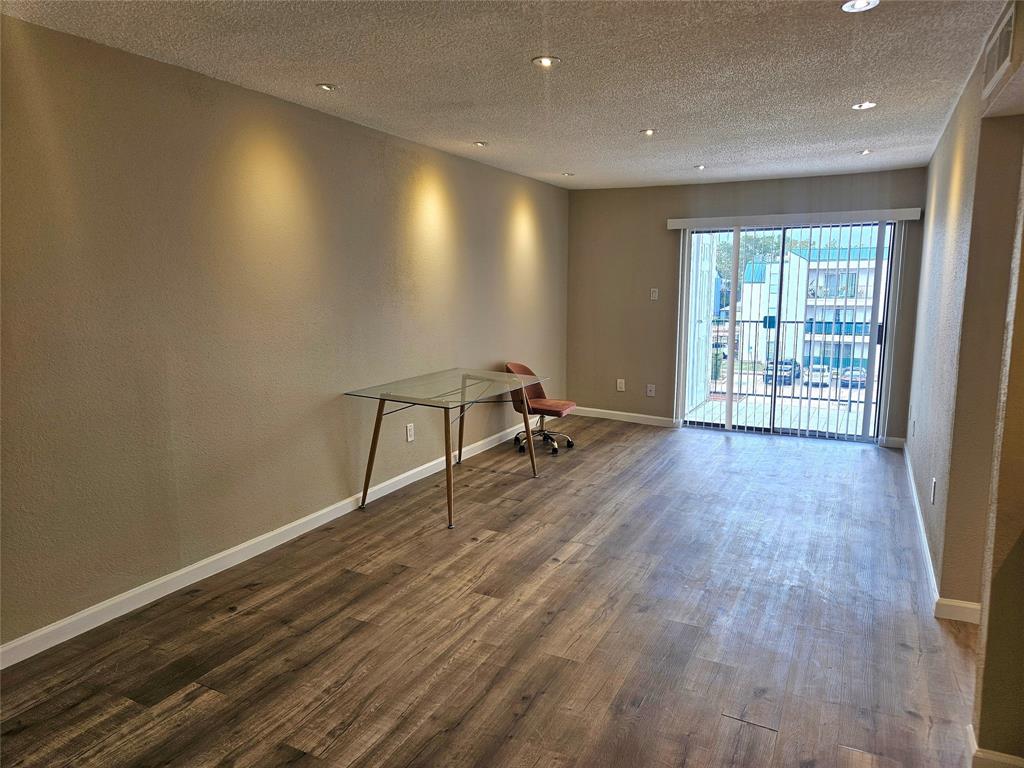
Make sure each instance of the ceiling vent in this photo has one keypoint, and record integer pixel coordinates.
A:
(998, 51)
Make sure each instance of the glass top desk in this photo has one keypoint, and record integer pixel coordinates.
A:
(447, 390)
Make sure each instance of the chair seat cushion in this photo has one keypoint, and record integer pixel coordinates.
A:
(554, 408)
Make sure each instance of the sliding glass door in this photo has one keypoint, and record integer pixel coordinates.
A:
(711, 276)
(783, 330)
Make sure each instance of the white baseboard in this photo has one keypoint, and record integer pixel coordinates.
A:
(945, 608)
(958, 610)
(891, 442)
(926, 551)
(64, 629)
(987, 758)
(636, 418)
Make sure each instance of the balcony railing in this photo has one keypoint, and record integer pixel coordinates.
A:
(830, 327)
(816, 327)
(833, 292)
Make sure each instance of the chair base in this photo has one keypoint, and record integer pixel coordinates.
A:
(546, 435)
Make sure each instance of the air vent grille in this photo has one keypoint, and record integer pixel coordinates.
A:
(998, 51)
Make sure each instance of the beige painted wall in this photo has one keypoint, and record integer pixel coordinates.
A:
(620, 249)
(965, 267)
(1000, 143)
(947, 234)
(192, 274)
(999, 703)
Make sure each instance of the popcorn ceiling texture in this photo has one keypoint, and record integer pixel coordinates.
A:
(751, 89)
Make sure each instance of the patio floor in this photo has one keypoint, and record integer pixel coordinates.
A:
(839, 417)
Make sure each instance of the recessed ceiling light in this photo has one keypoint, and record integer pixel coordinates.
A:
(865, 152)
(479, 143)
(865, 105)
(856, 6)
(546, 62)
(568, 173)
(327, 86)
(647, 131)
(699, 167)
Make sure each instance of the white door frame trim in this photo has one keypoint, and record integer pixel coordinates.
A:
(683, 311)
(889, 320)
(873, 338)
(879, 218)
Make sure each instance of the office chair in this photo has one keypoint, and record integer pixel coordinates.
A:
(539, 405)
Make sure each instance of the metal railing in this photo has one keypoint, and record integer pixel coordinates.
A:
(821, 376)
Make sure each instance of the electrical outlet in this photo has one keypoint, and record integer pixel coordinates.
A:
(650, 390)
(620, 385)
(410, 432)
(654, 294)
(933, 490)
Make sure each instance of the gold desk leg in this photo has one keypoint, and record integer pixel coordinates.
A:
(529, 432)
(462, 429)
(462, 416)
(373, 451)
(448, 475)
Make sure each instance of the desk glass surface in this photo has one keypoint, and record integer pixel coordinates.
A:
(448, 389)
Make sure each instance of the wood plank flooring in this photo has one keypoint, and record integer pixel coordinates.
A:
(657, 597)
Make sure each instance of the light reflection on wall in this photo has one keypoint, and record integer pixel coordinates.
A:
(432, 216)
(956, 183)
(43, 106)
(430, 256)
(523, 247)
(273, 226)
(952, 219)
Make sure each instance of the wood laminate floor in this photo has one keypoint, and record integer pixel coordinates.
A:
(657, 597)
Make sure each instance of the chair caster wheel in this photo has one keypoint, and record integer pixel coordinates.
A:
(554, 450)
(569, 443)
(522, 449)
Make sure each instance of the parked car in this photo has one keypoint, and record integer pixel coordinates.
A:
(853, 377)
(789, 371)
(818, 376)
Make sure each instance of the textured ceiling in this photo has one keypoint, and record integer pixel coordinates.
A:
(750, 89)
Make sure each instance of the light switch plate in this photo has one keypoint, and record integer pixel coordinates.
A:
(410, 432)
(654, 294)
(650, 390)
(620, 385)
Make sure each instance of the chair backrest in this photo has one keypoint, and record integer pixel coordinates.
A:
(533, 391)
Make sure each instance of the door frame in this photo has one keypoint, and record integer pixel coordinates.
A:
(889, 309)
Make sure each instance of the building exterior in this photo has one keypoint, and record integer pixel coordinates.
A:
(771, 310)
(837, 331)
(815, 304)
